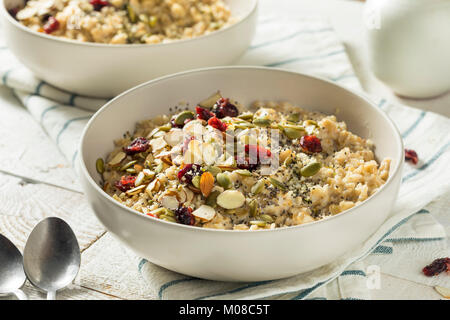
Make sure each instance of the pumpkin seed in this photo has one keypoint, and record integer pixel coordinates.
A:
(152, 21)
(131, 170)
(169, 213)
(214, 170)
(258, 223)
(230, 211)
(253, 208)
(243, 172)
(131, 14)
(231, 199)
(294, 117)
(127, 165)
(267, 218)
(311, 123)
(210, 101)
(143, 17)
(183, 116)
(277, 184)
(167, 218)
(246, 116)
(223, 180)
(196, 181)
(244, 125)
(257, 187)
(159, 167)
(311, 169)
(165, 128)
(117, 159)
(293, 133)
(262, 122)
(211, 200)
(100, 165)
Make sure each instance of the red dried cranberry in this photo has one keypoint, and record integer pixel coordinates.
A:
(245, 163)
(188, 172)
(99, 4)
(411, 155)
(184, 215)
(137, 146)
(203, 114)
(436, 267)
(51, 25)
(224, 108)
(216, 123)
(259, 151)
(13, 12)
(311, 144)
(125, 183)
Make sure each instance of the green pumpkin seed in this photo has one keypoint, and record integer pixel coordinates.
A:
(165, 128)
(183, 116)
(311, 169)
(167, 218)
(100, 165)
(152, 21)
(230, 211)
(294, 117)
(210, 101)
(127, 165)
(214, 170)
(258, 223)
(169, 213)
(196, 181)
(253, 208)
(277, 184)
(223, 180)
(211, 200)
(311, 123)
(262, 122)
(257, 187)
(131, 14)
(246, 116)
(267, 218)
(244, 126)
(159, 168)
(131, 170)
(293, 133)
(243, 172)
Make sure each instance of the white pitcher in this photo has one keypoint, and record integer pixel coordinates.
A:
(409, 45)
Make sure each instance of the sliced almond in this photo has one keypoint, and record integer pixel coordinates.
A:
(445, 292)
(174, 137)
(205, 213)
(194, 153)
(181, 196)
(158, 143)
(209, 153)
(170, 202)
(206, 183)
(194, 128)
(231, 199)
(117, 159)
(189, 195)
(136, 190)
(153, 187)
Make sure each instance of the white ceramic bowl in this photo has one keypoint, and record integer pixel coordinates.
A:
(239, 255)
(103, 70)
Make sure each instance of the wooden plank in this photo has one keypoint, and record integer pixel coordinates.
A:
(22, 206)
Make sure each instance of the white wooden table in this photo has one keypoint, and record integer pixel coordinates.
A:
(109, 271)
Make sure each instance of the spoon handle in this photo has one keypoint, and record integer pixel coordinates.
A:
(51, 295)
(20, 295)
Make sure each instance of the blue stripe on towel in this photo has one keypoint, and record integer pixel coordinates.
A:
(383, 250)
(248, 286)
(428, 163)
(37, 92)
(345, 76)
(305, 292)
(143, 261)
(72, 99)
(172, 283)
(415, 239)
(73, 162)
(382, 102)
(5, 76)
(47, 110)
(423, 211)
(276, 64)
(291, 36)
(414, 125)
(353, 273)
(68, 122)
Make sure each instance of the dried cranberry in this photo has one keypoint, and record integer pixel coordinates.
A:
(217, 124)
(224, 108)
(13, 12)
(188, 172)
(245, 163)
(203, 114)
(184, 215)
(436, 267)
(137, 146)
(99, 4)
(125, 183)
(259, 151)
(51, 25)
(311, 144)
(411, 155)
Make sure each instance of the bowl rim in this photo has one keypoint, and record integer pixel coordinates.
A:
(16, 24)
(397, 170)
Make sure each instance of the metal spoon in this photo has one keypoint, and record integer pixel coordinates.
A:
(12, 276)
(51, 256)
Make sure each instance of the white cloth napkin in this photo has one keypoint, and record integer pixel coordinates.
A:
(402, 246)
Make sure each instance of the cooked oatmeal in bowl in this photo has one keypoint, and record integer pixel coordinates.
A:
(226, 166)
(125, 21)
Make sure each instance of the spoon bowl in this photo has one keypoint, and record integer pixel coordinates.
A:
(52, 256)
(12, 275)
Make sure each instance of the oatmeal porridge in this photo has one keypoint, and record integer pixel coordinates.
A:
(226, 166)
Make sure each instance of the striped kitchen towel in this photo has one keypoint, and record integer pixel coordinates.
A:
(408, 240)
